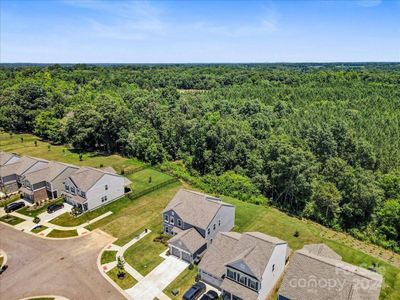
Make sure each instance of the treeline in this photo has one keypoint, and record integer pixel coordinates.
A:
(321, 142)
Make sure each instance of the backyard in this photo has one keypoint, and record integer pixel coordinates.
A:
(130, 217)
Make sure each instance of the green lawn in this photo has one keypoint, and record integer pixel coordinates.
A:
(34, 213)
(12, 198)
(182, 283)
(144, 255)
(62, 153)
(55, 233)
(125, 283)
(12, 220)
(40, 229)
(108, 256)
(147, 178)
(130, 217)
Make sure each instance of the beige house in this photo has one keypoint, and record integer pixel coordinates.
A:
(317, 272)
(244, 266)
(11, 173)
(47, 182)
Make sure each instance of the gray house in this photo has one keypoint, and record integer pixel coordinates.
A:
(194, 219)
(11, 173)
(317, 272)
(244, 266)
(47, 182)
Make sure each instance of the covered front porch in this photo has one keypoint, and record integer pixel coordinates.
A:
(76, 201)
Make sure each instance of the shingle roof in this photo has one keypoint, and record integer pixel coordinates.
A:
(195, 208)
(191, 239)
(86, 177)
(5, 157)
(315, 277)
(19, 167)
(252, 249)
(322, 250)
(48, 173)
(238, 290)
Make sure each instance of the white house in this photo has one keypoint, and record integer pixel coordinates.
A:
(88, 188)
(244, 266)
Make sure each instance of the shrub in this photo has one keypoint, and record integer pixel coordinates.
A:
(296, 233)
(36, 220)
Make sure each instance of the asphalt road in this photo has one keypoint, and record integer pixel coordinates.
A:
(65, 268)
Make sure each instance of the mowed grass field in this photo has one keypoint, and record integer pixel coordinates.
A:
(62, 153)
(130, 217)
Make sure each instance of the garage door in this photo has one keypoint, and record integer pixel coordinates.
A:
(175, 252)
(186, 257)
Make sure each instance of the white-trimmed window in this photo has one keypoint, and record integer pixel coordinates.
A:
(166, 218)
(172, 220)
(214, 227)
(179, 221)
(106, 187)
(208, 231)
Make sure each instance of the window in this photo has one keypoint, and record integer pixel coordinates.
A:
(106, 187)
(273, 267)
(167, 229)
(230, 274)
(179, 222)
(104, 199)
(252, 284)
(214, 227)
(67, 188)
(208, 231)
(166, 218)
(171, 220)
(242, 280)
(83, 194)
(72, 190)
(219, 223)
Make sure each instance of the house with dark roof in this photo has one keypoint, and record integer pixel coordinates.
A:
(244, 266)
(194, 219)
(317, 272)
(89, 188)
(47, 182)
(11, 173)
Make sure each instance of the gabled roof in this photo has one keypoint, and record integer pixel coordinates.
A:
(248, 252)
(195, 208)
(21, 166)
(86, 177)
(48, 173)
(328, 278)
(189, 239)
(5, 157)
(322, 250)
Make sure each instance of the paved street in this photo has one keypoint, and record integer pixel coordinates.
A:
(42, 267)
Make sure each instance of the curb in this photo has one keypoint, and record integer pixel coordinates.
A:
(114, 284)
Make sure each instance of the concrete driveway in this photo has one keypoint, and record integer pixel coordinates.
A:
(46, 217)
(50, 267)
(157, 280)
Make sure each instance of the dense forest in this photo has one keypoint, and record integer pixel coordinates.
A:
(317, 141)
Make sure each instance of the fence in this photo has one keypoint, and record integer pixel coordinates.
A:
(133, 196)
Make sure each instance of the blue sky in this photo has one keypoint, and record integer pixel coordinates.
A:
(84, 31)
